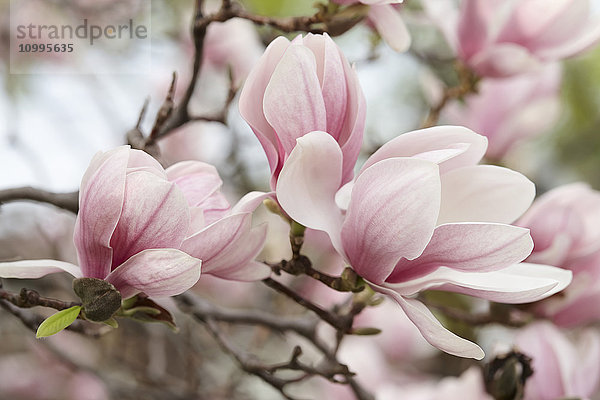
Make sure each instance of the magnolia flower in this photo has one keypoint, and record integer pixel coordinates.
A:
(421, 215)
(298, 87)
(387, 22)
(564, 225)
(509, 110)
(233, 43)
(502, 38)
(561, 368)
(134, 218)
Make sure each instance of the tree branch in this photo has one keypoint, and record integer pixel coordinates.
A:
(66, 201)
(28, 298)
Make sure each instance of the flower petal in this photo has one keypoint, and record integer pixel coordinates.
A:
(484, 193)
(392, 213)
(155, 215)
(227, 246)
(431, 329)
(32, 269)
(519, 283)
(293, 102)
(309, 181)
(251, 98)
(156, 272)
(435, 138)
(471, 247)
(390, 26)
(100, 202)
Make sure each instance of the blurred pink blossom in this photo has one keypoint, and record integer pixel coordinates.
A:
(564, 224)
(499, 38)
(562, 368)
(298, 87)
(421, 215)
(510, 110)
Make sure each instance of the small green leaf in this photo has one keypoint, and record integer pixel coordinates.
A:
(57, 322)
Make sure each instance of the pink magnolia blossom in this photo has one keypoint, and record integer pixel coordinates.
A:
(562, 368)
(501, 38)
(386, 21)
(233, 43)
(134, 218)
(421, 215)
(298, 87)
(510, 110)
(564, 225)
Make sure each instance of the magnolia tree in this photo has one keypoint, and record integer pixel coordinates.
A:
(355, 271)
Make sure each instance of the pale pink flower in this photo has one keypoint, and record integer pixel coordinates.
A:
(134, 218)
(565, 227)
(510, 110)
(562, 368)
(498, 38)
(298, 87)
(234, 43)
(386, 21)
(421, 215)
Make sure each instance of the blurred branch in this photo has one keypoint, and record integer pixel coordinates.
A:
(467, 83)
(330, 368)
(499, 314)
(66, 201)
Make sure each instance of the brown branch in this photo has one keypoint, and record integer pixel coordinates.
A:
(28, 298)
(332, 319)
(467, 84)
(66, 201)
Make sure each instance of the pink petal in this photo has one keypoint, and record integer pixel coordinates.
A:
(293, 102)
(33, 269)
(156, 272)
(351, 137)
(250, 201)
(392, 214)
(309, 181)
(237, 263)
(519, 283)
(252, 95)
(484, 193)
(228, 246)
(467, 247)
(473, 25)
(155, 215)
(201, 185)
(390, 26)
(330, 72)
(504, 59)
(251, 272)
(437, 138)
(100, 203)
(431, 329)
(141, 161)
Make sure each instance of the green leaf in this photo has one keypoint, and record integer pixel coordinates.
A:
(57, 322)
